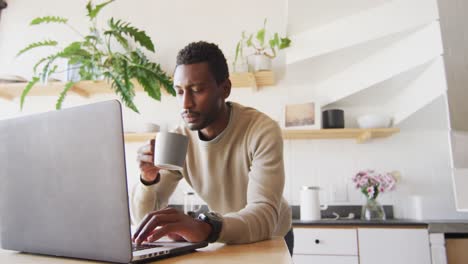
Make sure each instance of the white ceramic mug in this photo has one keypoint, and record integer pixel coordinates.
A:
(170, 150)
(310, 203)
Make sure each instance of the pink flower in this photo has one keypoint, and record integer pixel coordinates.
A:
(372, 183)
(363, 182)
(370, 191)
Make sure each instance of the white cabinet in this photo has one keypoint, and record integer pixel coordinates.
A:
(313, 259)
(325, 241)
(361, 245)
(325, 245)
(393, 245)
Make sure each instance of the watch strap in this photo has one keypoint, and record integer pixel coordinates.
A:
(216, 224)
(147, 183)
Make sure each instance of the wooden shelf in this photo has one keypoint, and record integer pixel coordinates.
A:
(138, 137)
(10, 91)
(86, 89)
(361, 135)
(252, 80)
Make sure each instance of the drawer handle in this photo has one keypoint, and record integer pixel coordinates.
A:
(317, 241)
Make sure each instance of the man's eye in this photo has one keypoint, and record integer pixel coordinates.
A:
(179, 91)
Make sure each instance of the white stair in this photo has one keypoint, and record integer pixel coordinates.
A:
(415, 50)
(431, 117)
(419, 93)
(385, 58)
(459, 147)
(426, 88)
(386, 19)
(304, 15)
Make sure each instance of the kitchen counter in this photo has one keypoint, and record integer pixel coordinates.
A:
(442, 226)
(269, 251)
(448, 226)
(358, 222)
(434, 226)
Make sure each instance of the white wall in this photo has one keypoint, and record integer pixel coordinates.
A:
(421, 155)
(453, 21)
(454, 35)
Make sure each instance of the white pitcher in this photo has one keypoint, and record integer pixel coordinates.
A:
(310, 203)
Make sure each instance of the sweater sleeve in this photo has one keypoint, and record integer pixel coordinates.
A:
(259, 218)
(144, 199)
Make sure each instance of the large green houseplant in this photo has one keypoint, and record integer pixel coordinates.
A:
(264, 45)
(94, 55)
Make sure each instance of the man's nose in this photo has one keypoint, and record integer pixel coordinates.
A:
(187, 101)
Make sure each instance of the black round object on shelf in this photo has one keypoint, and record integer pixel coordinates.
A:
(3, 4)
(333, 118)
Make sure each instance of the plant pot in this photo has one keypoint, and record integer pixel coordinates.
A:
(73, 72)
(241, 66)
(261, 63)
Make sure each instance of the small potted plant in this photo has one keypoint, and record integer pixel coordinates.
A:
(265, 47)
(240, 61)
(94, 56)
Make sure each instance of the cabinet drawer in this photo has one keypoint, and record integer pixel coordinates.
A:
(404, 245)
(325, 241)
(311, 259)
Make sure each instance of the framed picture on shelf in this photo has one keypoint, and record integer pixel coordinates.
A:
(305, 115)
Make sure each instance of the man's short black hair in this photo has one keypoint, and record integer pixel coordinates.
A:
(202, 51)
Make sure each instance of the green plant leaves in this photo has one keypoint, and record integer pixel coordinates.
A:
(284, 43)
(249, 41)
(150, 75)
(149, 84)
(68, 86)
(93, 57)
(118, 28)
(125, 92)
(34, 45)
(261, 37)
(261, 34)
(27, 89)
(49, 19)
(238, 51)
(94, 11)
(123, 41)
(71, 49)
(260, 45)
(74, 51)
(39, 63)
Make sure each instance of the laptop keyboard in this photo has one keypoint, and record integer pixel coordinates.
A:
(136, 247)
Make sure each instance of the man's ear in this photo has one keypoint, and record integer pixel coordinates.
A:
(226, 86)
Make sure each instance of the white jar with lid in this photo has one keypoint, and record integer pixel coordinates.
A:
(310, 203)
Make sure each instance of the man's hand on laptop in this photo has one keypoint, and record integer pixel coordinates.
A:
(149, 172)
(172, 223)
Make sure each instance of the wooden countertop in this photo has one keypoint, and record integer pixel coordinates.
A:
(268, 252)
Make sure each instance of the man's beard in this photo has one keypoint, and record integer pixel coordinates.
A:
(194, 127)
(202, 121)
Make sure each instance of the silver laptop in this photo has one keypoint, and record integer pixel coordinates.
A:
(63, 187)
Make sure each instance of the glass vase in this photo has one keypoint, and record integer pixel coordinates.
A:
(372, 210)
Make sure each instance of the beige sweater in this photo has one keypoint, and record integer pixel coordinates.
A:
(239, 174)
